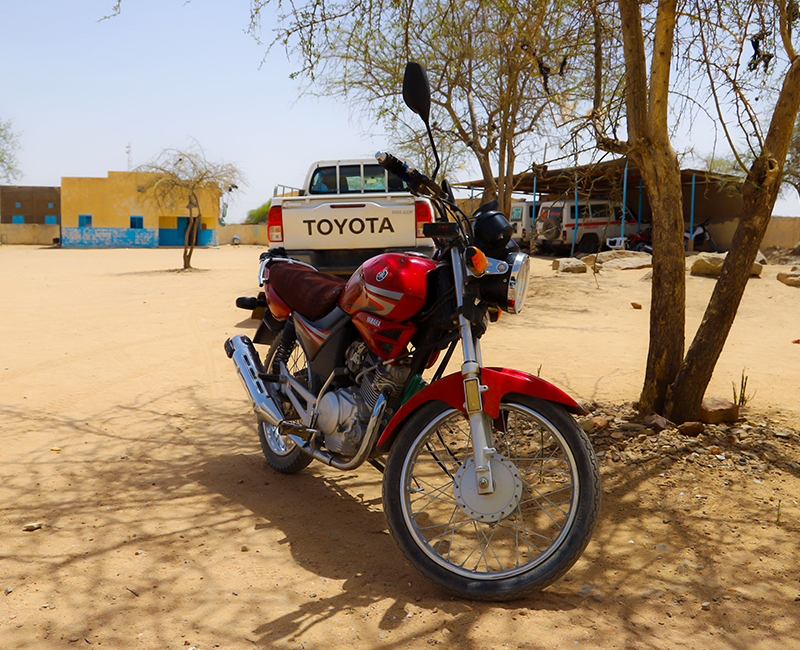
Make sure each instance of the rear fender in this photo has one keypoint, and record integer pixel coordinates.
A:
(499, 382)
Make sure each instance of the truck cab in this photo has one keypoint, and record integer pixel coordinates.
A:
(347, 212)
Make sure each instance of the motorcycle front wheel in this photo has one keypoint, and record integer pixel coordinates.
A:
(281, 453)
(523, 536)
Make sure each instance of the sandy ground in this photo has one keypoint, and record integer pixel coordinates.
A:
(125, 433)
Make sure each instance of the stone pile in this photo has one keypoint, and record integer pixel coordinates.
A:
(622, 437)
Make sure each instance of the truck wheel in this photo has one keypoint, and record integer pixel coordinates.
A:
(550, 229)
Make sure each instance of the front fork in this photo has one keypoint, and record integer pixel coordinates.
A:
(479, 422)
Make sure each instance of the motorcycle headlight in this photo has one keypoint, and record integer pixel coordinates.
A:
(508, 290)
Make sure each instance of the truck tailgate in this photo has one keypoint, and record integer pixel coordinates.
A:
(359, 221)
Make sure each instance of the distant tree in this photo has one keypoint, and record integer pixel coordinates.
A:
(9, 145)
(177, 178)
(259, 214)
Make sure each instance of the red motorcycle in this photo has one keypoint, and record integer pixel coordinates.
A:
(490, 489)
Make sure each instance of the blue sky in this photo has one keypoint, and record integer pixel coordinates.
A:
(80, 91)
(160, 74)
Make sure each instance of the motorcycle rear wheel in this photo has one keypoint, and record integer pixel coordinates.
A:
(505, 546)
(281, 453)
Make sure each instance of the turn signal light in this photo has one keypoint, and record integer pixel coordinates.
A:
(476, 261)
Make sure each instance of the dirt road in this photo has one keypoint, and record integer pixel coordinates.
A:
(127, 444)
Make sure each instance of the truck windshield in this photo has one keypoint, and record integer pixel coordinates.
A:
(350, 179)
(374, 178)
(396, 184)
(323, 181)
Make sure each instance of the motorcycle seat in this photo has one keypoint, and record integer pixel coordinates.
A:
(308, 292)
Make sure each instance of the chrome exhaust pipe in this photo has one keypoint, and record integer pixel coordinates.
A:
(249, 367)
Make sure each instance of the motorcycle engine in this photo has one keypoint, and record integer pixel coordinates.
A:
(344, 413)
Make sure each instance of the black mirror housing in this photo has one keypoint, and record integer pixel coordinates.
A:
(417, 90)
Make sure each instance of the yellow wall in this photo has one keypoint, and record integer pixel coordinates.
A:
(28, 233)
(112, 201)
(783, 232)
(247, 234)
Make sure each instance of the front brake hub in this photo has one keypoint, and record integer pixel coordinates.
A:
(490, 507)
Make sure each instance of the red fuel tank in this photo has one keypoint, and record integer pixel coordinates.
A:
(391, 286)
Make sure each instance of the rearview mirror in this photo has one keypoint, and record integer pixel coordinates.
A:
(417, 90)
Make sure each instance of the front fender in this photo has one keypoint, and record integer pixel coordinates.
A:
(499, 382)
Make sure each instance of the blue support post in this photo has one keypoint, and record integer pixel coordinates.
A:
(624, 199)
(690, 243)
(640, 203)
(575, 229)
(533, 210)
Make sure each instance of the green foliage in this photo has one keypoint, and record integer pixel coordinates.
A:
(9, 145)
(259, 214)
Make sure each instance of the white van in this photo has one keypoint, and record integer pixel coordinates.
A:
(598, 221)
(523, 216)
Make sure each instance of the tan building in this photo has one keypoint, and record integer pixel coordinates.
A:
(113, 212)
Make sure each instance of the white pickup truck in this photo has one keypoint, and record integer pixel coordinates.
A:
(347, 212)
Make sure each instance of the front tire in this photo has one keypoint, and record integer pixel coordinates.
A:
(281, 453)
(520, 539)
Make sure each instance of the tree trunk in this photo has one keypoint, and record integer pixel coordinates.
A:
(490, 192)
(649, 146)
(191, 237)
(760, 192)
(661, 176)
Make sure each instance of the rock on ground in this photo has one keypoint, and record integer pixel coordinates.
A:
(791, 278)
(628, 264)
(715, 410)
(711, 264)
(570, 265)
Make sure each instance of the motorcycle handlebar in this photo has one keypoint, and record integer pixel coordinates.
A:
(416, 180)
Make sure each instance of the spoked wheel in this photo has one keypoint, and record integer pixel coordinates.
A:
(506, 545)
(281, 453)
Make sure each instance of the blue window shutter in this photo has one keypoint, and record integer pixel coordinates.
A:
(84, 221)
(137, 222)
(51, 221)
(17, 218)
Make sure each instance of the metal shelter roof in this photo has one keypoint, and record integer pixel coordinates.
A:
(607, 177)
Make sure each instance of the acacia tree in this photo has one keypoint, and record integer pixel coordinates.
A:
(9, 145)
(717, 34)
(646, 103)
(496, 68)
(763, 26)
(177, 179)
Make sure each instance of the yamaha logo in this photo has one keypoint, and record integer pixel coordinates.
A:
(382, 275)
